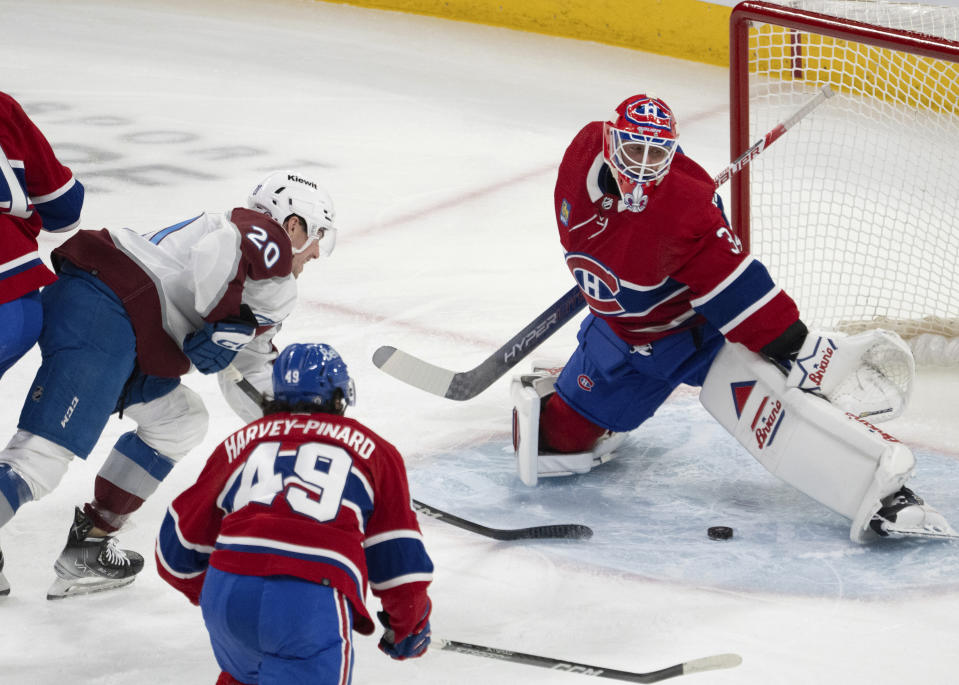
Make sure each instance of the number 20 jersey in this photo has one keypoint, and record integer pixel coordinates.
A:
(173, 280)
(668, 267)
(315, 496)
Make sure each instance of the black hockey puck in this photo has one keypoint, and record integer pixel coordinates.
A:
(719, 532)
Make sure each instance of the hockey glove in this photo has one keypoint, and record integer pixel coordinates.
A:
(783, 350)
(410, 647)
(214, 346)
(869, 374)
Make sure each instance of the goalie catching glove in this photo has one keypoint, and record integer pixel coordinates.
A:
(213, 347)
(870, 374)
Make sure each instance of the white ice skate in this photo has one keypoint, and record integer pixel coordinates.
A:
(905, 514)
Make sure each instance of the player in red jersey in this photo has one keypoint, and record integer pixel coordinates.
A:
(290, 520)
(665, 278)
(669, 287)
(36, 192)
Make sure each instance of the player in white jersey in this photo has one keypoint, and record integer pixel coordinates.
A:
(129, 315)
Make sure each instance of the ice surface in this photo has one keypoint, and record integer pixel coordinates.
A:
(438, 141)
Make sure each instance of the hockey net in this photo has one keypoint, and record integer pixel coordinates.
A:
(854, 211)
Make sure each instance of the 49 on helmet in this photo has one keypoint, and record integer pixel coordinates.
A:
(314, 374)
(639, 145)
(284, 193)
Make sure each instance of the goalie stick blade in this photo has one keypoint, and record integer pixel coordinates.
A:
(567, 531)
(709, 663)
(466, 385)
(413, 371)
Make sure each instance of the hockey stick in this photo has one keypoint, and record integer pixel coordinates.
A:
(709, 663)
(570, 531)
(756, 149)
(466, 385)
(233, 374)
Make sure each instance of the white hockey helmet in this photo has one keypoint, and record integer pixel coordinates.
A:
(283, 193)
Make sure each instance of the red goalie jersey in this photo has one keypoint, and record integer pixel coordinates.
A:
(665, 268)
(315, 496)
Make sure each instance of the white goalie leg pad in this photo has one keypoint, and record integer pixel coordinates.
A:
(831, 455)
(527, 401)
(528, 392)
(40, 462)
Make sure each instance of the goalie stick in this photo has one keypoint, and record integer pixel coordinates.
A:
(466, 385)
(570, 531)
(709, 663)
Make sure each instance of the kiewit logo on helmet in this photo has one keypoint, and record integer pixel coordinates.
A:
(298, 179)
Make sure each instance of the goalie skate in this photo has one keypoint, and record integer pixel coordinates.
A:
(92, 564)
(905, 514)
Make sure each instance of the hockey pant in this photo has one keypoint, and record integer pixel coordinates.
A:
(278, 630)
(617, 386)
(840, 460)
(87, 373)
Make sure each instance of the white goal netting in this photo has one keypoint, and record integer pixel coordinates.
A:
(854, 210)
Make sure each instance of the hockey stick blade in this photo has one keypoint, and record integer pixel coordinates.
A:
(567, 531)
(709, 663)
(466, 385)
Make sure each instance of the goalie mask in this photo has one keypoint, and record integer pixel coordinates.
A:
(284, 193)
(639, 146)
(312, 373)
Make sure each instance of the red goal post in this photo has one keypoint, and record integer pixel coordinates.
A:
(855, 211)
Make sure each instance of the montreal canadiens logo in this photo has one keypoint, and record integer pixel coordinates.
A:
(648, 113)
(584, 382)
(599, 285)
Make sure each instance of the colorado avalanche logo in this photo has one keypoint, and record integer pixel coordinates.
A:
(600, 286)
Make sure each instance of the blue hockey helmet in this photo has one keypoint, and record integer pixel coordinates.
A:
(311, 373)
